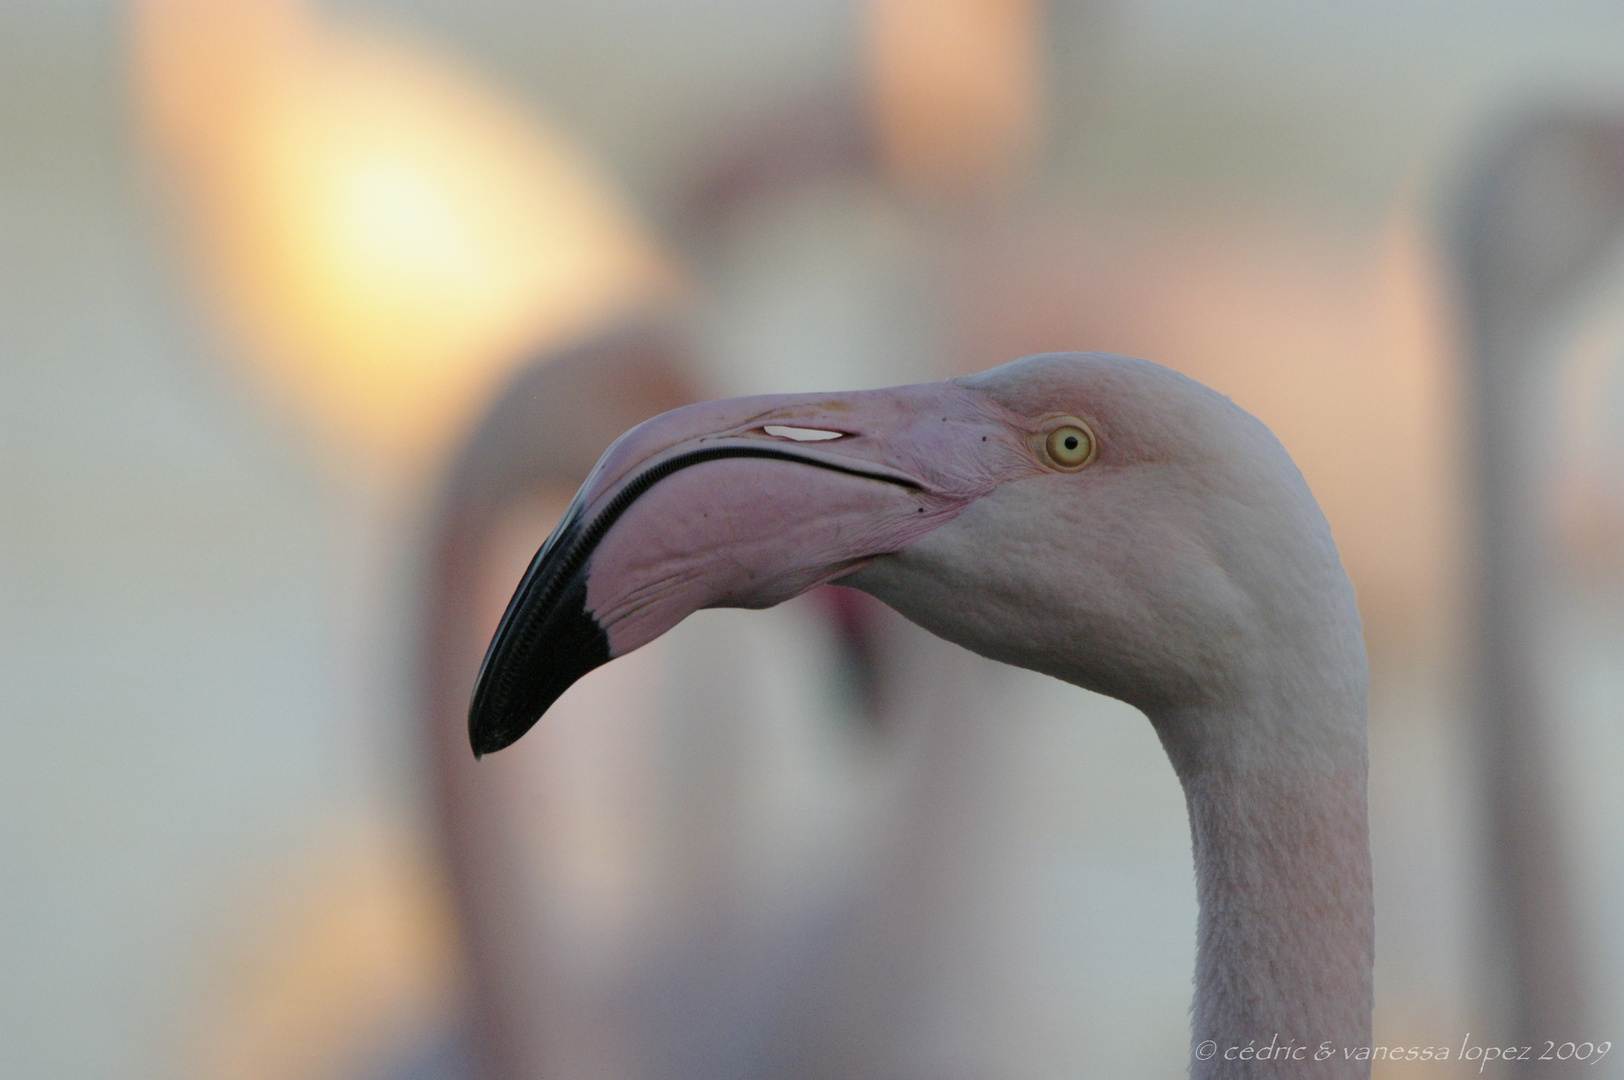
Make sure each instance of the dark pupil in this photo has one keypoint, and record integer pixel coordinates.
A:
(1071, 442)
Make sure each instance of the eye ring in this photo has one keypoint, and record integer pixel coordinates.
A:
(1069, 445)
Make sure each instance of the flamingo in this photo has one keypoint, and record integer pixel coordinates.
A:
(1540, 212)
(1097, 518)
(536, 442)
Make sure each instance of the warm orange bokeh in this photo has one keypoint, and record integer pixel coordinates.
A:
(1337, 338)
(351, 954)
(956, 91)
(383, 231)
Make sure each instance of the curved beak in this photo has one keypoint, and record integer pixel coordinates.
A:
(739, 503)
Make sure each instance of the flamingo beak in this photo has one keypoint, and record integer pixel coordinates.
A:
(739, 503)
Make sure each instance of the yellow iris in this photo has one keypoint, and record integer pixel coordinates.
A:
(1070, 446)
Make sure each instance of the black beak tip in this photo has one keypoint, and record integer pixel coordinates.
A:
(486, 735)
(535, 656)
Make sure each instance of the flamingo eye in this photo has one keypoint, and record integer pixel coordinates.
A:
(1069, 446)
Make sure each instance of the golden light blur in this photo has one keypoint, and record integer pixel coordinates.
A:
(384, 233)
(350, 951)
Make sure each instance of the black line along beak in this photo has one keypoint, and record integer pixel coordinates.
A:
(548, 638)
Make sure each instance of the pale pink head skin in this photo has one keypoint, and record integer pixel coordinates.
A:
(1186, 570)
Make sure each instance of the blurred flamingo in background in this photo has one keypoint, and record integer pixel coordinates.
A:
(531, 1011)
(384, 237)
(716, 983)
(1540, 208)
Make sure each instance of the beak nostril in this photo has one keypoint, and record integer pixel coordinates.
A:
(801, 434)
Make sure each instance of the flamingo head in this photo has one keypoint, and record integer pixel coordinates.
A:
(1098, 518)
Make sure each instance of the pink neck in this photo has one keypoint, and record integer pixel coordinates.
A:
(1285, 939)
